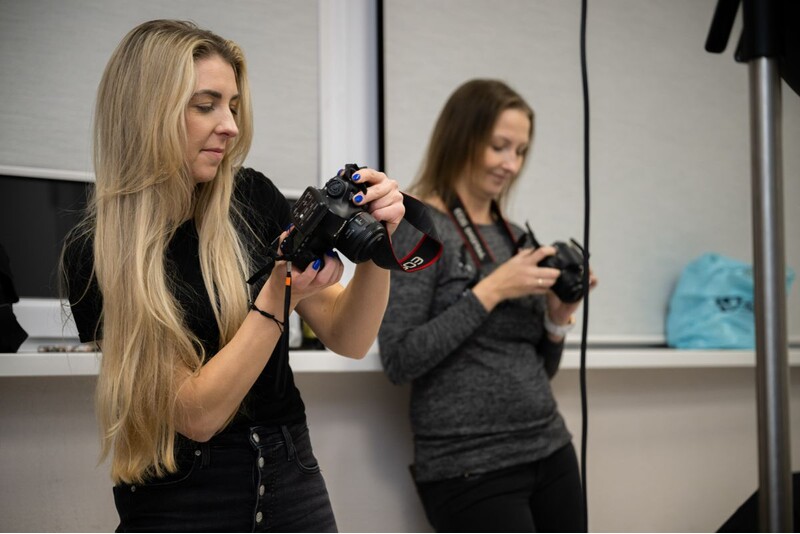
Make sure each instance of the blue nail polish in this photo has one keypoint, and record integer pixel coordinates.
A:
(289, 227)
(358, 198)
(356, 177)
(316, 264)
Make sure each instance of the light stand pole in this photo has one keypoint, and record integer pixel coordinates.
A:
(772, 370)
(760, 47)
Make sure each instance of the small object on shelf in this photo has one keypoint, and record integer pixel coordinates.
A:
(310, 339)
(295, 331)
(82, 347)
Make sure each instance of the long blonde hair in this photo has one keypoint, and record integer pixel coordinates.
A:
(144, 192)
(462, 132)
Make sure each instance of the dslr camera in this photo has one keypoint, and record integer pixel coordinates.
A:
(569, 260)
(325, 218)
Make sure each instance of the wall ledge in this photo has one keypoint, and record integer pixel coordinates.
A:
(29, 363)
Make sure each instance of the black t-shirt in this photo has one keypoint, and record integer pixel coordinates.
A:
(266, 213)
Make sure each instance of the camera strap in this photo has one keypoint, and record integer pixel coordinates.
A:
(473, 241)
(427, 250)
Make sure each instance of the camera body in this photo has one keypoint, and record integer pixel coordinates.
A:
(569, 260)
(325, 218)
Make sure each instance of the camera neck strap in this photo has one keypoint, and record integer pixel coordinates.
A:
(427, 250)
(473, 241)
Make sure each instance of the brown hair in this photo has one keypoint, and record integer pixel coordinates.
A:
(462, 133)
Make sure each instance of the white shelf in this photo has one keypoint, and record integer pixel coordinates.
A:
(88, 363)
(50, 364)
(596, 358)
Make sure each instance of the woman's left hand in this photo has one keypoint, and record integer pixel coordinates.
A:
(560, 312)
(382, 200)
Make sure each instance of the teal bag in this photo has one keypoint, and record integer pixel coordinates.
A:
(712, 306)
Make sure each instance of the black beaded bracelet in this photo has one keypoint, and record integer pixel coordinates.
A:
(268, 316)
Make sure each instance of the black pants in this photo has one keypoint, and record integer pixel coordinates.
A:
(541, 496)
(262, 479)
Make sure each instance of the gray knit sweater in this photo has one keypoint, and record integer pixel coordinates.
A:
(481, 397)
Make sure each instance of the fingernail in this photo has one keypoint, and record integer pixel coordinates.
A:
(341, 171)
(358, 198)
(356, 177)
(316, 264)
(289, 227)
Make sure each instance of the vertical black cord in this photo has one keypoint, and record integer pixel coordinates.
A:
(584, 407)
(287, 300)
(282, 365)
(381, 89)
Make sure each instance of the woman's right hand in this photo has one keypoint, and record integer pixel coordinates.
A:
(319, 274)
(519, 276)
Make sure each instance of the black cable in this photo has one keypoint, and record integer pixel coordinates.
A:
(586, 211)
(282, 364)
(381, 86)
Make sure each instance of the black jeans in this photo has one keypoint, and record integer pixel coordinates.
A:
(542, 496)
(265, 479)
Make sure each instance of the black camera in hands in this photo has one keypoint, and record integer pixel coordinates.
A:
(569, 259)
(326, 218)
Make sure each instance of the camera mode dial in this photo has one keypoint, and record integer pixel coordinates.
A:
(335, 187)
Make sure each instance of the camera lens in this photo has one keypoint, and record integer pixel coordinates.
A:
(360, 237)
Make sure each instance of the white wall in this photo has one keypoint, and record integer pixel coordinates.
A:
(672, 450)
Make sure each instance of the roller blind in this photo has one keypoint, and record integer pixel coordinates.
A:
(52, 54)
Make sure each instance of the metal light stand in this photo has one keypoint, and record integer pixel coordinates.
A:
(760, 47)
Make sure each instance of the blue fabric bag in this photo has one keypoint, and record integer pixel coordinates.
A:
(713, 305)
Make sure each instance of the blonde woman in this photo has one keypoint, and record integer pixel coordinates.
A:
(481, 334)
(200, 437)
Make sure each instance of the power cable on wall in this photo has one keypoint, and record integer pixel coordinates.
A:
(586, 212)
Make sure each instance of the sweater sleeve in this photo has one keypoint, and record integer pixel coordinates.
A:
(411, 340)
